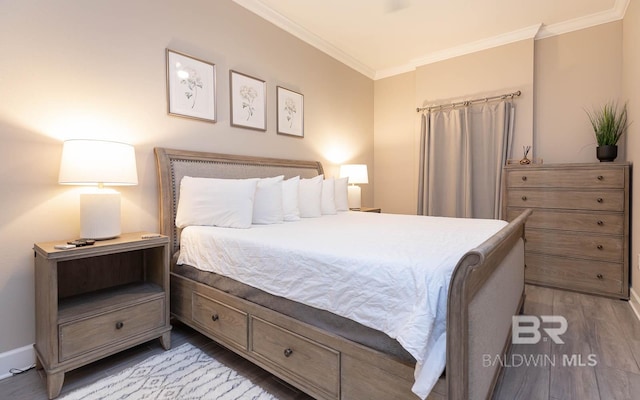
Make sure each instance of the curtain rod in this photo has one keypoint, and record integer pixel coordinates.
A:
(469, 102)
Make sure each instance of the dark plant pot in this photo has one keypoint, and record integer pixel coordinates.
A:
(607, 153)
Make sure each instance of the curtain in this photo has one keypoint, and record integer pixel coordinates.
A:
(462, 152)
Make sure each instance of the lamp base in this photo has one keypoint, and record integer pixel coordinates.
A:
(354, 194)
(100, 215)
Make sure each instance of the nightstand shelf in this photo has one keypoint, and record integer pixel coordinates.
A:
(94, 301)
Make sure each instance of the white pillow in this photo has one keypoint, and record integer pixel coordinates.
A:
(267, 205)
(328, 202)
(341, 191)
(219, 202)
(290, 199)
(310, 197)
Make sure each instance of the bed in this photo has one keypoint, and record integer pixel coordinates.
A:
(324, 353)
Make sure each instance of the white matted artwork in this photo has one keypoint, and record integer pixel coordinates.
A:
(248, 101)
(191, 87)
(290, 112)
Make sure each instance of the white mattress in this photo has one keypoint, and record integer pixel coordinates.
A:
(388, 272)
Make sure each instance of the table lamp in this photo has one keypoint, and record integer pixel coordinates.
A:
(357, 174)
(98, 163)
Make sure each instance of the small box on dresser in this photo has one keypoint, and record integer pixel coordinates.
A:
(94, 301)
(578, 235)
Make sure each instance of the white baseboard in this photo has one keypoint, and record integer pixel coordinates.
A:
(635, 303)
(21, 358)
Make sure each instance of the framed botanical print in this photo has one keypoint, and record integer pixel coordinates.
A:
(191, 87)
(290, 112)
(248, 101)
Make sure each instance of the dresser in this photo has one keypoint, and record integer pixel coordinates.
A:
(578, 235)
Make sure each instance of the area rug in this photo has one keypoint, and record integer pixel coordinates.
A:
(181, 373)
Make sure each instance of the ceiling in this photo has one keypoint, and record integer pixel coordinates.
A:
(381, 38)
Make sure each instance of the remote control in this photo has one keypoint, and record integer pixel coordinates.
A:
(150, 235)
(64, 246)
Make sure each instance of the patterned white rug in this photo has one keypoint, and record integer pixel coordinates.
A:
(181, 373)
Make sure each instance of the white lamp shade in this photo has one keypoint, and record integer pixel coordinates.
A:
(357, 173)
(97, 162)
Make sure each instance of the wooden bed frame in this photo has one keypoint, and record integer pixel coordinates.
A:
(486, 290)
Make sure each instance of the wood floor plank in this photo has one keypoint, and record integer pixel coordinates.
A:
(615, 384)
(573, 375)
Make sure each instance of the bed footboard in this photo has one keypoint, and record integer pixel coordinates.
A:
(486, 290)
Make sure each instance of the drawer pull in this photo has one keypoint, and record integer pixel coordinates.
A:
(599, 247)
(600, 223)
(600, 276)
(599, 200)
(119, 325)
(215, 317)
(600, 177)
(524, 198)
(288, 352)
(524, 178)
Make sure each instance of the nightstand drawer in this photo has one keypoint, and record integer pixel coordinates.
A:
(221, 320)
(92, 333)
(612, 200)
(569, 178)
(307, 360)
(571, 244)
(595, 222)
(592, 276)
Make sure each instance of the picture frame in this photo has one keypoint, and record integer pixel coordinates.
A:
(191, 87)
(248, 101)
(290, 112)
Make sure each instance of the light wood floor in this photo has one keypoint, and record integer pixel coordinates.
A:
(598, 327)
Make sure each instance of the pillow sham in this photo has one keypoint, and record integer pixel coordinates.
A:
(341, 190)
(328, 201)
(226, 203)
(310, 197)
(290, 189)
(267, 205)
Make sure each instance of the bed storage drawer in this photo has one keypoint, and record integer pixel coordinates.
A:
(595, 276)
(577, 237)
(596, 178)
(221, 320)
(307, 360)
(93, 333)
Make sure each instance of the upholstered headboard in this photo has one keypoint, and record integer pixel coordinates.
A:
(173, 165)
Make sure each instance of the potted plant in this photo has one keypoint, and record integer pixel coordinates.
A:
(608, 125)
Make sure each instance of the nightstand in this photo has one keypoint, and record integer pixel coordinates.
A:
(370, 209)
(94, 301)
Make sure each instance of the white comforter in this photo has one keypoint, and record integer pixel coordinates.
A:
(388, 272)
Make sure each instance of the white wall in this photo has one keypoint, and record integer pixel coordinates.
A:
(96, 69)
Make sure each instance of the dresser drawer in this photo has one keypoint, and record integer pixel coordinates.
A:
(594, 222)
(566, 178)
(570, 244)
(221, 320)
(588, 275)
(612, 200)
(82, 336)
(305, 359)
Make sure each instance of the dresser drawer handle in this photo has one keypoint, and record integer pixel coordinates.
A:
(599, 199)
(215, 317)
(524, 178)
(119, 325)
(600, 276)
(600, 177)
(600, 223)
(524, 198)
(600, 247)
(288, 352)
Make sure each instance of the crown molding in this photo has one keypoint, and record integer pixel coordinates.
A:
(538, 31)
(614, 14)
(260, 9)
